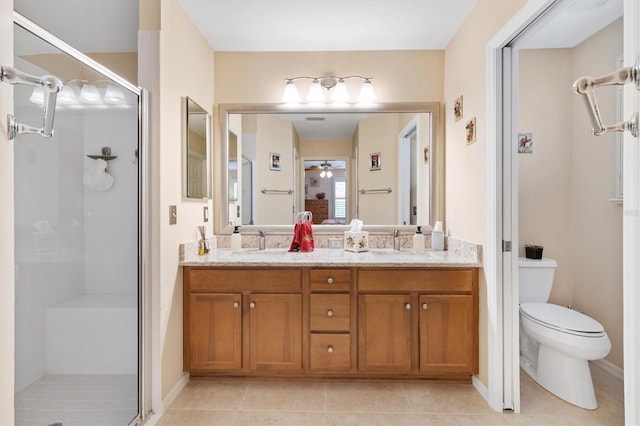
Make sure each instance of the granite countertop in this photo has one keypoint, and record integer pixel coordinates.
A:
(330, 257)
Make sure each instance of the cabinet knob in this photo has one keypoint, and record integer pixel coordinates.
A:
(329, 313)
(408, 306)
(236, 304)
(329, 280)
(424, 306)
(252, 305)
(330, 349)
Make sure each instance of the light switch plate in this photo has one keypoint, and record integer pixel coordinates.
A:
(205, 213)
(173, 215)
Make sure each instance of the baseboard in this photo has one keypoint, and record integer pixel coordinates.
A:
(168, 400)
(481, 388)
(610, 368)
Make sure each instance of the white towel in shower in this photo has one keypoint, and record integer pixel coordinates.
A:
(96, 177)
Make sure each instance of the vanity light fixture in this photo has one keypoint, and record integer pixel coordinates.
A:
(83, 93)
(328, 88)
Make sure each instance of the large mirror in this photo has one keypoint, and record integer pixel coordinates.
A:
(197, 151)
(383, 165)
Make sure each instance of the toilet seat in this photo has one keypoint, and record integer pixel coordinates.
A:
(562, 319)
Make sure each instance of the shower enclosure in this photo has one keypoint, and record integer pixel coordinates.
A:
(77, 241)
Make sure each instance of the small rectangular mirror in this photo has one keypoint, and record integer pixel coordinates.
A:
(197, 151)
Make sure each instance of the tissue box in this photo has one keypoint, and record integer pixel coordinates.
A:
(356, 241)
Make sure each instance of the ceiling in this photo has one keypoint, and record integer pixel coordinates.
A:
(305, 25)
(311, 25)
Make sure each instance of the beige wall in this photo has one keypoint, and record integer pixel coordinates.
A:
(597, 223)
(466, 173)
(545, 214)
(275, 135)
(177, 81)
(378, 134)
(398, 76)
(7, 293)
(325, 148)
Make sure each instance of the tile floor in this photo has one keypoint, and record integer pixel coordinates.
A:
(331, 403)
(78, 399)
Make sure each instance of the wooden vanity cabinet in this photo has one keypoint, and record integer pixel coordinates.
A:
(330, 320)
(242, 320)
(418, 321)
(360, 322)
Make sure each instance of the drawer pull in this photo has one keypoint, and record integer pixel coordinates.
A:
(330, 349)
(329, 313)
(252, 305)
(329, 280)
(236, 304)
(407, 306)
(424, 306)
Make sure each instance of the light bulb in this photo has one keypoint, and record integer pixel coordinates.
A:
(340, 93)
(315, 92)
(329, 174)
(367, 93)
(67, 96)
(322, 174)
(290, 95)
(90, 95)
(114, 95)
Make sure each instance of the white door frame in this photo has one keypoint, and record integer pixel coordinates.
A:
(631, 225)
(504, 382)
(504, 392)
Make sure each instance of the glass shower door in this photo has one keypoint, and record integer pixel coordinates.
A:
(77, 245)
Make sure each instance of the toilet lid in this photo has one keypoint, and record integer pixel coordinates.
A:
(562, 318)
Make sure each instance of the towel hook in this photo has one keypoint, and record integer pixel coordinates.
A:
(586, 86)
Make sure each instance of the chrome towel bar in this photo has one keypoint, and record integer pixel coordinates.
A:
(373, 191)
(276, 191)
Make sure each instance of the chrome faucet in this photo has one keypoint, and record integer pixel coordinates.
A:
(396, 239)
(261, 240)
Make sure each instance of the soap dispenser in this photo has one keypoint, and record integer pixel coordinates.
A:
(437, 237)
(418, 240)
(236, 239)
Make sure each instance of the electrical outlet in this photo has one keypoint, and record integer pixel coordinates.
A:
(205, 213)
(173, 215)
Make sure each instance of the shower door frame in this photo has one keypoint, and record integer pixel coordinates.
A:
(144, 301)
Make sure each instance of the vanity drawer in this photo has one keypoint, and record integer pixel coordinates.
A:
(330, 312)
(330, 279)
(330, 352)
(265, 280)
(451, 281)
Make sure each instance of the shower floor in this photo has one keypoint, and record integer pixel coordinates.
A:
(78, 399)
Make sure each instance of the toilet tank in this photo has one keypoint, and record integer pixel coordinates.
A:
(535, 278)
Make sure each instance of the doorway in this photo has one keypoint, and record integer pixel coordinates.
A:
(78, 245)
(571, 181)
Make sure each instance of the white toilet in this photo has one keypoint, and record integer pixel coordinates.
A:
(556, 343)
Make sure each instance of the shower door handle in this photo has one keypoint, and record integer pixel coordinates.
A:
(586, 86)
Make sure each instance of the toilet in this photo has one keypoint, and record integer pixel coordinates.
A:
(557, 343)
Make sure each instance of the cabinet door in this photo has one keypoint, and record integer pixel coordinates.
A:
(384, 332)
(447, 334)
(275, 340)
(215, 331)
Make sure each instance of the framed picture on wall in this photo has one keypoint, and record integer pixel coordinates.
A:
(274, 161)
(374, 161)
(313, 181)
